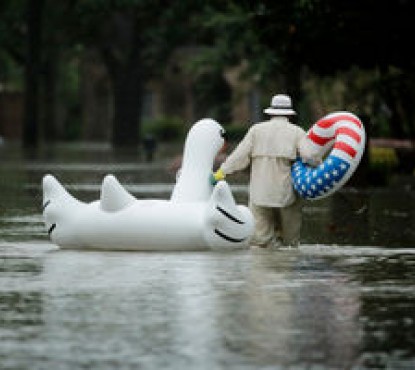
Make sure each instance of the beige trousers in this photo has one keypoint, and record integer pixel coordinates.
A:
(277, 226)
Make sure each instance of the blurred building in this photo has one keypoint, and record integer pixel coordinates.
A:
(177, 92)
(11, 114)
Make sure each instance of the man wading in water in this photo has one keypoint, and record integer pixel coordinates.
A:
(270, 147)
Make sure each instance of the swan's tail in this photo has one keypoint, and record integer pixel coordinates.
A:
(56, 202)
(113, 195)
(53, 192)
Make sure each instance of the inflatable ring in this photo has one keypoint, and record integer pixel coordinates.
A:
(345, 134)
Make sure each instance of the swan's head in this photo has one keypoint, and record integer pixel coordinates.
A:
(204, 140)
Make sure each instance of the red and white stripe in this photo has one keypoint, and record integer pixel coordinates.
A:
(341, 130)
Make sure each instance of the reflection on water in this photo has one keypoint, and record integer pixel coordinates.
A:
(325, 306)
(345, 299)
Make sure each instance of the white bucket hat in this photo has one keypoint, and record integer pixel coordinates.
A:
(280, 106)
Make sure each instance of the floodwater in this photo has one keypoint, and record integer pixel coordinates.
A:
(344, 300)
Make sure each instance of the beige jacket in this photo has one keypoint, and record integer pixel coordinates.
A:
(269, 147)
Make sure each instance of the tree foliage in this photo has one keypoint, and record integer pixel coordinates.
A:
(135, 39)
(326, 37)
(276, 40)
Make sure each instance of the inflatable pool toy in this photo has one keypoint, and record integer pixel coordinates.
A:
(198, 216)
(345, 134)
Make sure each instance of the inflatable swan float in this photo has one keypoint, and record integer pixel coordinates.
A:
(198, 216)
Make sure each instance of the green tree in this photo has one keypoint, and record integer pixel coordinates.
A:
(12, 34)
(333, 36)
(33, 34)
(32, 72)
(134, 38)
(279, 38)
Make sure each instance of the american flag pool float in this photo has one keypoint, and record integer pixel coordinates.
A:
(344, 133)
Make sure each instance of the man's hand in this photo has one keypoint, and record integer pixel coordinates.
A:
(217, 176)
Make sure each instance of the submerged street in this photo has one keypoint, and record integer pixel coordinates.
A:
(344, 299)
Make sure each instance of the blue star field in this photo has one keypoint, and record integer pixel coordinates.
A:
(315, 182)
